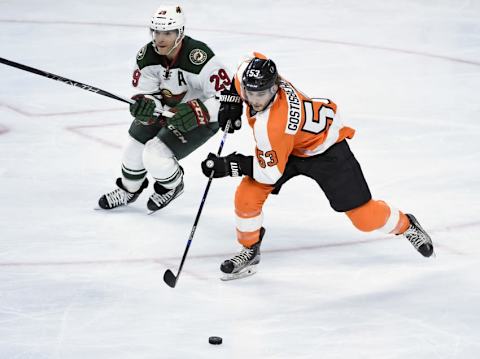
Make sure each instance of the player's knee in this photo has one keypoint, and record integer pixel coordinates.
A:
(245, 203)
(157, 157)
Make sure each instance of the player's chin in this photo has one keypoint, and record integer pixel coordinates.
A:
(162, 50)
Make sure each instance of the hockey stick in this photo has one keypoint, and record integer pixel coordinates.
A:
(73, 83)
(168, 277)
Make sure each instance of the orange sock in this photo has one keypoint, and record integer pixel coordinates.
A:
(378, 215)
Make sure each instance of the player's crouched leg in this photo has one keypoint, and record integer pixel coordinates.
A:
(249, 199)
(378, 215)
(168, 175)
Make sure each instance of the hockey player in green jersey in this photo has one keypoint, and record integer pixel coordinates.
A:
(176, 73)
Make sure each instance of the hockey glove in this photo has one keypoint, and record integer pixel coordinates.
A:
(143, 109)
(231, 108)
(189, 116)
(233, 165)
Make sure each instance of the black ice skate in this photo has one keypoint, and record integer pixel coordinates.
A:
(418, 237)
(243, 264)
(163, 196)
(120, 196)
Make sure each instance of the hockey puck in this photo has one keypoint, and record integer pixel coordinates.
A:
(215, 340)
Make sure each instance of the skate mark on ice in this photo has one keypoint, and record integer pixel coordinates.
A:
(170, 262)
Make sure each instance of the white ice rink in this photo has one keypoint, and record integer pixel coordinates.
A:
(76, 283)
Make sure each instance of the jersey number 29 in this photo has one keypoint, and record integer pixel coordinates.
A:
(221, 80)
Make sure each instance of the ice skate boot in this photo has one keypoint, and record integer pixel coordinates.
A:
(243, 264)
(120, 196)
(163, 196)
(418, 237)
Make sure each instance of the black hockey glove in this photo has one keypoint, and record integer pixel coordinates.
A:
(233, 165)
(231, 109)
(143, 109)
(189, 116)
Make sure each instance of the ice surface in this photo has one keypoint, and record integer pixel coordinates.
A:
(77, 283)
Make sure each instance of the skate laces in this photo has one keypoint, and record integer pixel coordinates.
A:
(243, 257)
(416, 236)
(118, 197)
(160, 199)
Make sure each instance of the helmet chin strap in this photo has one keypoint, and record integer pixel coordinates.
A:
(178, 40)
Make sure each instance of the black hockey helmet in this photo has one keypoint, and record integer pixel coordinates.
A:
(260, 74)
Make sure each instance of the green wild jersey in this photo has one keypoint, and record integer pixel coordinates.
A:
(195, 74)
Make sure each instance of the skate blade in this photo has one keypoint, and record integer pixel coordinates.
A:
(152, 212)
(247, 272)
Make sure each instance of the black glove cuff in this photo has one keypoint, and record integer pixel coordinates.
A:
(230, 97)
(246, 164)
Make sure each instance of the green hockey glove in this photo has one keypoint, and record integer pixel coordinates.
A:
(189, 116)
(143, 109)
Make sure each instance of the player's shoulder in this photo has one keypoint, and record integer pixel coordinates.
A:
(288, 96)
(147, 56)
(286, 110)
(195, 55)
(292, 95)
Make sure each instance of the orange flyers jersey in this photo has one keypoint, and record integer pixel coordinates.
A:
(293, 124)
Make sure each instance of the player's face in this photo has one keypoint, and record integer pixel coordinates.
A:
(260, 99)
(164, 40)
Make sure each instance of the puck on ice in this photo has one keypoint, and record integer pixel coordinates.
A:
(215, 340)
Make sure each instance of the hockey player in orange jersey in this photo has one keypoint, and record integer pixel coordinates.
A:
(295, 135)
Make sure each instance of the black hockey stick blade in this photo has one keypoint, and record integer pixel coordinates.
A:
(169, 278)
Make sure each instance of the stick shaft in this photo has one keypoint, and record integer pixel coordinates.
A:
(199, 212)
(65, 80)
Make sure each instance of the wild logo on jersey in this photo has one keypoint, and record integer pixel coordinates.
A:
(198, 56)
(171, 99)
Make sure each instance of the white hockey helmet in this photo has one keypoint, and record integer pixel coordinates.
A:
(168, 18)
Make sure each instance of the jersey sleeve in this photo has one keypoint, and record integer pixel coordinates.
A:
(273, 145)
(144, 80)
(213, 78)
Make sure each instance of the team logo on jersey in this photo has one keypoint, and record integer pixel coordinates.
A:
(166, 93)
(198, 56)
(171, 99)
(141, 53)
